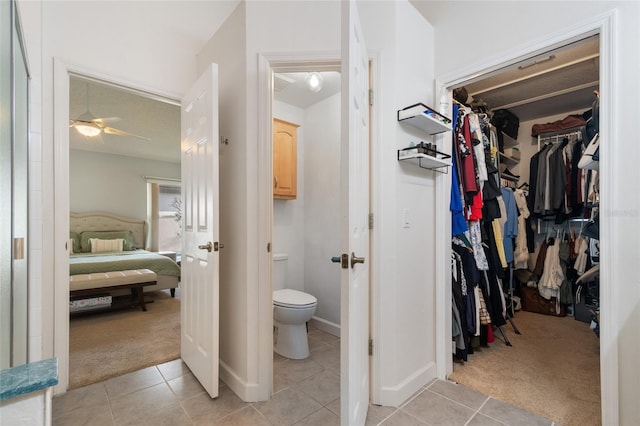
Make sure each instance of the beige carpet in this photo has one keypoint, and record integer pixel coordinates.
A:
(552, 369)
(106, 345)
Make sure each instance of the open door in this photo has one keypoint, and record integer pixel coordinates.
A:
(354, 191)
(199, 283)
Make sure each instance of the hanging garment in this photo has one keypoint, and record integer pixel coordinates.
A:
(521, 252)
(540, 259)
(476, 243)
(497, 232)
(458, 223)
(478, 148)
(566, 291)
(582, 246)
(511, 224)
(491, 294)
(552, 276)
(468, 167)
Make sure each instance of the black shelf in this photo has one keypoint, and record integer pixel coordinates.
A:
(427, 157)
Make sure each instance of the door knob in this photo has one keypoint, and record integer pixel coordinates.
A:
(355, 259)
(208, 247)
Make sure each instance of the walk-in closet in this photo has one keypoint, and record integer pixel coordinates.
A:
(525, 240)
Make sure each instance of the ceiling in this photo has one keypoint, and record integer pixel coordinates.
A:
(556, 82)
(562, 84)
(137, 114)
(160, 121)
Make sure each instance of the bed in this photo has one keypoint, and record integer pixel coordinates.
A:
(101, 229)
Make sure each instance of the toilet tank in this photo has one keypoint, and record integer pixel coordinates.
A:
(279, 271)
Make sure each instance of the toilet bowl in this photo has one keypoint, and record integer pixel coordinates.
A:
(291, 311)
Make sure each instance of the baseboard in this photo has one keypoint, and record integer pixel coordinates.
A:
(248, 392)
(324, 325)
(397, 395)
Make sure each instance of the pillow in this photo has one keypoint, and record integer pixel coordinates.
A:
(74, 242)
(127, 236)
(106, 246)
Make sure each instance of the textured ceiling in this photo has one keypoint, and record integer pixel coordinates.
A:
(134, 113)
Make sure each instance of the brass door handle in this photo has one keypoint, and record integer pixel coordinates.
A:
(208, 247)
(355, 259)
(275, 182)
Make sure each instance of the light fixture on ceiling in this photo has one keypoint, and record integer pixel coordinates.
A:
(87, 129)
(536, 62)
(313, 80)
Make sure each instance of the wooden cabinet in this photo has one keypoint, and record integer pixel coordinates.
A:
(285, 159)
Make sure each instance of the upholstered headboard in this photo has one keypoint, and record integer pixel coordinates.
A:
(101, 221)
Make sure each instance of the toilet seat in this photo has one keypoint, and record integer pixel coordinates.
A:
(293, 299)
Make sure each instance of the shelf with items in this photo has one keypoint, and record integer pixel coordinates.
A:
(427, 156)
(509, 160)
(424, 118)
(508, 141)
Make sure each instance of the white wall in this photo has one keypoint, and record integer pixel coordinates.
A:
(146, 44)
(543, 19)
(289, 215)
(322, 206)
(113, 183)
(307, 228)
(228, 49)
(255, 27)
(403, 301)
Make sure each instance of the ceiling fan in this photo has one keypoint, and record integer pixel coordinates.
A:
(90, 126)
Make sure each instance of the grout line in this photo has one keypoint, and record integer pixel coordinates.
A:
(478, 411)
(392, 413)
(113, 417)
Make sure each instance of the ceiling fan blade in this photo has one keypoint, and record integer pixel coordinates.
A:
(103, 121)
(117, 132)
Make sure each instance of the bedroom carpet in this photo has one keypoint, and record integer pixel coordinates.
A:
(106, 345)
(551, 370)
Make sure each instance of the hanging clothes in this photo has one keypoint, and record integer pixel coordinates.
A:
(521, 253)
(511, 224)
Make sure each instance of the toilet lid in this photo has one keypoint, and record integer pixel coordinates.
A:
(288, 297)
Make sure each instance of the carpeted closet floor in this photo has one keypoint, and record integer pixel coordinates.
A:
(552, 369)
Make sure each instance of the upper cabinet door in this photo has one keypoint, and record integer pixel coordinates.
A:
(285, 159)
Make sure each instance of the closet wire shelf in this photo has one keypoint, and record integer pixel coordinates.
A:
(428, 157)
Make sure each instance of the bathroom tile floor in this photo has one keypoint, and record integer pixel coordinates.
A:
(306, 392)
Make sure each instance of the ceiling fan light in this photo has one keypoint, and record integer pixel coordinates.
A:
(313, 81)
(88, 130)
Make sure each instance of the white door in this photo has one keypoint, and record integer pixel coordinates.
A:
(355, 231)
(199, 283)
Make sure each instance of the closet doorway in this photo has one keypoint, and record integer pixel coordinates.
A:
(569, 79)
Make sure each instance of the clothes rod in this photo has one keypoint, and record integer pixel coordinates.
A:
(560, 135)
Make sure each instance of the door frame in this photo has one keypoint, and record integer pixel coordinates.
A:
(602, 25)
(62, 72)
(267, 63)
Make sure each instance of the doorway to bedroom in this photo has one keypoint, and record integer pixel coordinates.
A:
(124, 162)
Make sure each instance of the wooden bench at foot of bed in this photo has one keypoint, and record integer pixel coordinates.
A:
(100, 282)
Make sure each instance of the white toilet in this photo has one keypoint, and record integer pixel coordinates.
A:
(291, 311)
